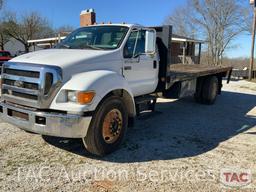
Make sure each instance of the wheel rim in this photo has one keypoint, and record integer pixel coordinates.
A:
(112, 126)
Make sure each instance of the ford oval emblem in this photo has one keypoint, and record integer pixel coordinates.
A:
(19, 84)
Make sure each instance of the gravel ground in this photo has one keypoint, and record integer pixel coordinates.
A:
(183, 146)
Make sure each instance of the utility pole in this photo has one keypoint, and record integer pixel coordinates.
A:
(253, 3)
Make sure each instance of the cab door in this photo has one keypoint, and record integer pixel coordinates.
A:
(140, 69)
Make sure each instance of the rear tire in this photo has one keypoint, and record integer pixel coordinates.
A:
(207, 90)
(199, 87)
(108, 127)
(210, 90)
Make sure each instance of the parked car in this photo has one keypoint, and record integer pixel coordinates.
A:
(4, 56)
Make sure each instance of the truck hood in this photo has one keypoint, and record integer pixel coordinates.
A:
(61, 57)
(73, 61)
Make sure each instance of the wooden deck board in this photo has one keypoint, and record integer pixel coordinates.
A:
(179, 72)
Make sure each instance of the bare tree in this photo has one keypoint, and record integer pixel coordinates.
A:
(64, 29)
(1, 3)
(4, 38)
(181, 20)
(217, 21)
(30, 26)
(248, 13)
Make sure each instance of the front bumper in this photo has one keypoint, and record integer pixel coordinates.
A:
(45, 123)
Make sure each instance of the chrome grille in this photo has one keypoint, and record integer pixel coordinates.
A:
(30, 85)
(23, 73)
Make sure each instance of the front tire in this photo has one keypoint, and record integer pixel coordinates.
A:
(108, 127)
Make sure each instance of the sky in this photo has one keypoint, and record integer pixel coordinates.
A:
(145, 12)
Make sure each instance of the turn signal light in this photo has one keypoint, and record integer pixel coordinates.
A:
(85, 97)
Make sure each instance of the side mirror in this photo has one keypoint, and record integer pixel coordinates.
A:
(150, 42)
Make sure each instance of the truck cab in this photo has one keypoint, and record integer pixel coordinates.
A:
(93, 83)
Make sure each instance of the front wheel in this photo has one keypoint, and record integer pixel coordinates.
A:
(108, 127)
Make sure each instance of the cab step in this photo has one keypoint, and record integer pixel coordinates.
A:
(145, 103)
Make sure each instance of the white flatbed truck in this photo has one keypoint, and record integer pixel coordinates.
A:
(94, 83)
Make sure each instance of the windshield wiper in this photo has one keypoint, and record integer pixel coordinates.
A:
(63, 45)
(66, 46)
(92, 47)
(81, 46)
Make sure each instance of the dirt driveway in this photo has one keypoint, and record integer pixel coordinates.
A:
(183, 146)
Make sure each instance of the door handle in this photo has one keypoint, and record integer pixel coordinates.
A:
(126, 68)
(155, 64)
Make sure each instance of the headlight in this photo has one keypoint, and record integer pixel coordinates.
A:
(81, 97)
(72, 96)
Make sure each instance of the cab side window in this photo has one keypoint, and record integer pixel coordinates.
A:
(135, 44)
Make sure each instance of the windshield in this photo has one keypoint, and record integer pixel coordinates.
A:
(5, 54)
(95, 37)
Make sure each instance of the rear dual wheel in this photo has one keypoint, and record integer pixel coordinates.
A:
(108, 127)
(207, 90)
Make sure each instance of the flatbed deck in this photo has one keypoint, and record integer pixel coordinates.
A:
(182, 72)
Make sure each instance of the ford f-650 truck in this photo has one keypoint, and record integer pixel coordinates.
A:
(94, 83)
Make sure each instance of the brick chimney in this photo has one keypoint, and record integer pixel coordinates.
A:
(87, 17)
